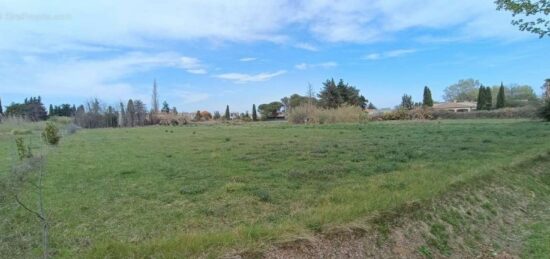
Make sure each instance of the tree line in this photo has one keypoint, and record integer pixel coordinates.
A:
(331, 96)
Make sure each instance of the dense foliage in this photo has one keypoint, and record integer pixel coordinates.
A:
(500, 98)
(427, 100)
(63, 110)
(270, 110)
(463, 91)
(335, 95)
(50, 135)
(31, 109)
(484, 98)
(545, 110)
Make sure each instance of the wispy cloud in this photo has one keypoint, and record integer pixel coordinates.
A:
(247, 59)
(246, 78)
(306, 46)
(192, 65)
(304, 66)
(104, 78)
(389, 54)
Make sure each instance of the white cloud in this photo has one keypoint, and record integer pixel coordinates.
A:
(104, 78)
(304, 66)
(139, 23)
(245, 78)
(192, 65)
(389, 54)
(247, 59)
(306, 46)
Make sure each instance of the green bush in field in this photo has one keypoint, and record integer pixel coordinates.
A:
(51, 134)
(23, 150)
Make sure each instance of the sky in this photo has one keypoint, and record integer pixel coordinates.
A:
(206, 54)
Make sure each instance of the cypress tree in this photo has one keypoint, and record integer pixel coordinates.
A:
(500, 97)
(254, 114)
(481, 98)
(488, 99)
(227, 116)
(130, 113)
(428, 101)
(122, 116)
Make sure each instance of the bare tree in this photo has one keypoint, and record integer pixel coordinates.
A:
(155, 99)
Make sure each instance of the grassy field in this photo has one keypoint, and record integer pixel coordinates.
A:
(205, 190)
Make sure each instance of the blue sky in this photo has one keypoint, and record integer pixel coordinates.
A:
(206, 54)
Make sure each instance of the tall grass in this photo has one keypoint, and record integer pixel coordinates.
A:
(316, 115)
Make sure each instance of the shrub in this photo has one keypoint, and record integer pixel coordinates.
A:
(343, 114)
(23, 150)
(544, 111)
(51, 134)
(528, 112)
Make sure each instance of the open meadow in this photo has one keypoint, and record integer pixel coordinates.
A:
(212, 190)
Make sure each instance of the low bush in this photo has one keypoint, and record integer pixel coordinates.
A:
(528, 112)
(51, 134)
(344, 114)
(169, 119)
(23, 150)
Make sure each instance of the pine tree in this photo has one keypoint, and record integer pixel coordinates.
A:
(1, 108)
(481, 98)
(165, 107)
(50, 112)
(428, 101)
(254, 114)
(500, 97)
(488, 99)
(227, 115)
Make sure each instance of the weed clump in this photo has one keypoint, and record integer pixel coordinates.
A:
(263, 195)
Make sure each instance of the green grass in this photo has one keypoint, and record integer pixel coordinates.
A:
(200, 190)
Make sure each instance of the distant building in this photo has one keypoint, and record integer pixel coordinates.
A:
(456, 106)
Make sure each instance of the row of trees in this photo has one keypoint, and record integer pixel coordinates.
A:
(467, 90)
(484, 99)
(331, 96)
(63, 110)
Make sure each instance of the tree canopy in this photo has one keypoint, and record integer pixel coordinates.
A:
(533, 15)
(463, 91)
(270, 110)
(407, 102)
(335, 95)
